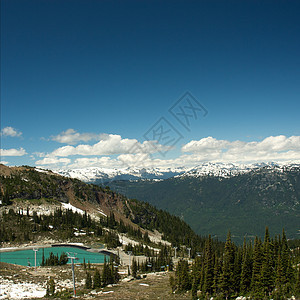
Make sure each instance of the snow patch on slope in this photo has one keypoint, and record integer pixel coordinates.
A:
(73, 208)
(24, 290)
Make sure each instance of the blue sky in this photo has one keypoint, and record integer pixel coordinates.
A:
(82, 82)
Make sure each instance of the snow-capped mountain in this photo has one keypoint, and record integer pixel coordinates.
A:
(104, 175)
(224, 169)
(227, 170)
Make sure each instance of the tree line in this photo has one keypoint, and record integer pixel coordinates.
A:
(269, 268)
(97, 279)
(54, 260)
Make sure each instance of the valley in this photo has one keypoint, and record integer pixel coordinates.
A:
(149, 253)
(216, 197)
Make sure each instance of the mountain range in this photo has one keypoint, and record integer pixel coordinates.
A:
(104, 175)
(215, 197)
(28, 189)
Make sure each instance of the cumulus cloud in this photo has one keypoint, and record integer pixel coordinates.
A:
(53, 160)
(205, 145)
(12, 152)
(111, 144)
(271, 148)
(72, 137)
(123, 161)
(103, 162)
(10, 131)
(114, 152)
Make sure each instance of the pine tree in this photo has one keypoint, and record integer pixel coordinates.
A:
(196, 272)
(256, 269)
(97, 279)
(134, 268)
(284, 256)
(237, 269)
(88, 281)
(50, 291)
(182, 276)
(246, 271)
(43, 258)
(266, 277)
(279, 281)
(194, 289)
(116, 275)
(107, 277)
(217, 273)
(208, 267)
(228, 263)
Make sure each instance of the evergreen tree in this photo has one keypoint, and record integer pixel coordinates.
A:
(208, 267)
(63, 259)
(246, 271)
(266, 277)
(134, 268)
(279, 281)
(50, 291)
(237, 269)
(88, 280)
(217, 272)
(182, 276)
(228, 272)
(97, 279)
(43, 258)
(196, 272)
(115, 273)
(284, 256)
(256, 269)
(194, 289)
(107, 276)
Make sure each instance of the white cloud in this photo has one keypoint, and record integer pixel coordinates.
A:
(53, 160)
(271, 148)
(131, 153)
(141, 160)
(111, 144)
(205, 145)
(10, 131)
(103, 162)
(12, 152)
(72, 137)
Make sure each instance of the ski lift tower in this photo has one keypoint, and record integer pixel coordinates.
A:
(73, 257)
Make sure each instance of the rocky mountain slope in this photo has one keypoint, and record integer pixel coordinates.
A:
(23, 187)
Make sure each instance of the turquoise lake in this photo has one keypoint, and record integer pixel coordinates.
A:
(26, 257)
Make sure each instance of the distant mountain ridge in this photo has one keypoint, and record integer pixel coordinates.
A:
(102, 175)
(225, 170)
(214, 199)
